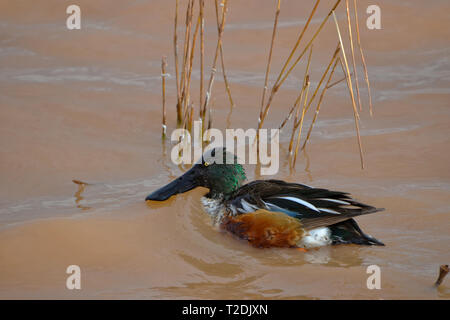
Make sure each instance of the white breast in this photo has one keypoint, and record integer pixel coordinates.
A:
(214, 207)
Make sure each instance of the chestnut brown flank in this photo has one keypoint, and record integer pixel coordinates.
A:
(265, 229)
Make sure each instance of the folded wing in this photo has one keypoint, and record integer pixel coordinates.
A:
(312, 207)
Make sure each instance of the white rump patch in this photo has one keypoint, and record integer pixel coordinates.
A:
(316, 238)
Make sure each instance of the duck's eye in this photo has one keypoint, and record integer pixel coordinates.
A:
(206, 164)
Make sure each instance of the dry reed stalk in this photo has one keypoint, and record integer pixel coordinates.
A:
(349, 82)
(366, 74)
(163, 80)
(191, 117)
(191, 61)
(280, 80)
(175, 48)
(213, 69)
(207, 139)
(316, 90)
(343, 70)
(297, 43)
(307, 106)
(202, 52)
(225, 79)
(185, 92)
(350, 35)
(309, 44)
(186, 52)
(319, 104)
(191, 56)
(276, 86)
(185, 120)
(300, 124)
(281, 126)
(323, 76)
(333, 58)
(266, 79)
(298, 100)
(297, 110)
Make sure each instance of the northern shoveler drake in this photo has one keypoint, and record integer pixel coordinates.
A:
(272, 213)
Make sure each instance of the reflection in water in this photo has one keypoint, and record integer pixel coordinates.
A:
(443, 292)
(331, 256)
(219, 269)
(207, 289)
(164, 160)
(307, 170)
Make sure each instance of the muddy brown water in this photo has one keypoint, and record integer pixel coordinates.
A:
(86, 105)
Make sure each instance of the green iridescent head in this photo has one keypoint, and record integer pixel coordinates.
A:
(218, 171)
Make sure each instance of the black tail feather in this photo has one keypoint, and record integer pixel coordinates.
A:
(348, 231)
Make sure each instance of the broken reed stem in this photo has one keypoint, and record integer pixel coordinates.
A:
(175, 48)
(225, 79)
(202, 52)
(213, 69)
(280, 80)
(266, 79)
(443, 270)
(163, 79)
(300, 124)
(366, 74)
(349, 82)
(350, 35)
(316, 114)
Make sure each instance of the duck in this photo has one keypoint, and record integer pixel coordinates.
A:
(271, 213)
